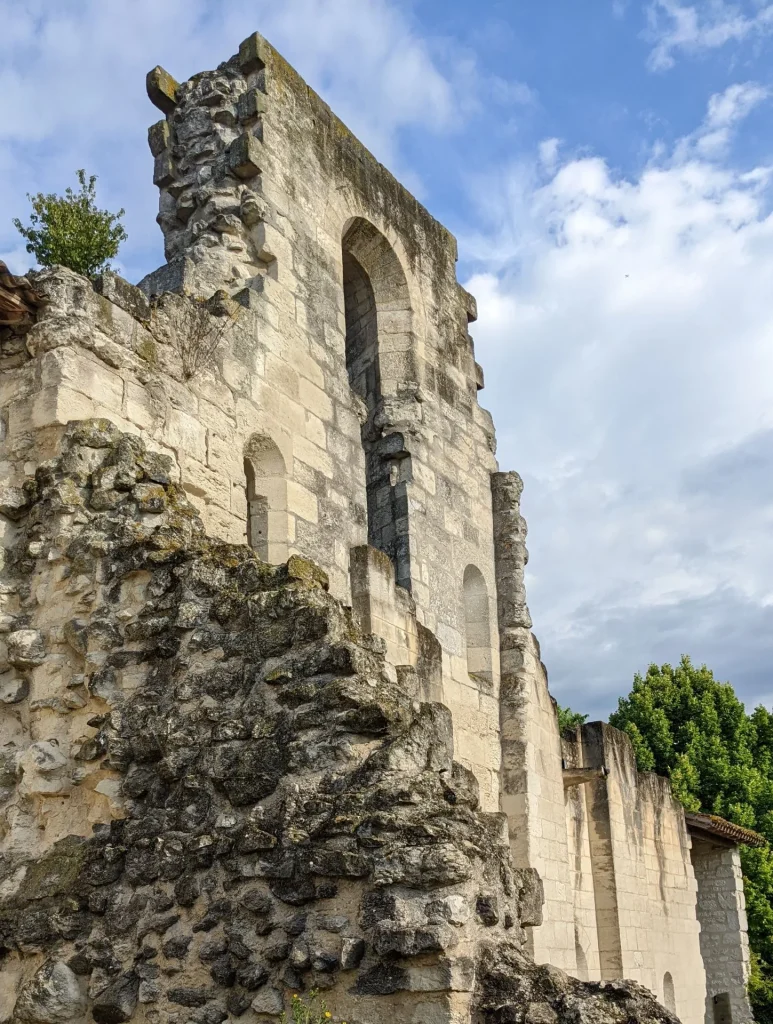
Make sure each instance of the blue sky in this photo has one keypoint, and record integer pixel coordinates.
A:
(608, 169)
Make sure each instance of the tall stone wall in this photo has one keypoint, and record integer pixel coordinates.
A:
(610, 844)
(365, 356)
(299, 375)
(724, 939)
(644, 884)
(532, 782)
(581, 874)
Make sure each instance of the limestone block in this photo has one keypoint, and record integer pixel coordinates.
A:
(139, 406)
(282, 376)
(186, 435)
(14, 688)
(199, 480)
(26, 648)
(313, 456)
(301, 502)
(52, 996)
(215, 419)
(122, 294)
(162, 89)
(82, 373)
(251, 53)
(159, 137)
(163, 170)
(44, 767)
(271, 244)
(315, 431)
(251, 104)
(245, 156)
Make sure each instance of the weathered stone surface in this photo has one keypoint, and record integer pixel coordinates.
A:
(271, 773)
(244, 156)
(25, 648)
(53, 996)
(276, 807)
(159, 137)
(122, 294)
(162, 89)
(513, 990)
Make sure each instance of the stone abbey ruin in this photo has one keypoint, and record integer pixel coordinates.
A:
(273, 717)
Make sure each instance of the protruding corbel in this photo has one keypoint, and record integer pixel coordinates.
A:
(162, 89)
(470, 305)
(245, 156)
(581, 776)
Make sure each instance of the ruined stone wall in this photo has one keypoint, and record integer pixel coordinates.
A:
(643, 882)
(265, 193)
(301, 372)
(215, 790)
(586, 938)
(613, 852)
(724, 938)
(532, 782)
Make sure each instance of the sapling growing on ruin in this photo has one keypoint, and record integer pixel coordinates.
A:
(70, 230)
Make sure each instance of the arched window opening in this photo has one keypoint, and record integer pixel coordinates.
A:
(669, 997)
(379, 358)
(476, 625)
(723, 1011)
(361, 333)
(266, 486)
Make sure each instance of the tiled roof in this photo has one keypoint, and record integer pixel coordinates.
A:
(726, 829)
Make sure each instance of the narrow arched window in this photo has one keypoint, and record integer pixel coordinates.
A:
(477, 627)
(380, 363)
(669, 997)
(266, 487)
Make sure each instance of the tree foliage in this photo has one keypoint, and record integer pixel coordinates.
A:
(71, 231)
(568, 719)
(685, 724)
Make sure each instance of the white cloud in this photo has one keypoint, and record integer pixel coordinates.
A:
(72, 80)
(627, 334)
(725, 111)
(548, 153)
(708, 25)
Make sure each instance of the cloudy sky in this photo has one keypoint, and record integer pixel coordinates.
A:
(608, 169)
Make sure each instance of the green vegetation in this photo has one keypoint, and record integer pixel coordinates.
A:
(71, 231)
(686, 725)
(312, 1011)
(568, 719)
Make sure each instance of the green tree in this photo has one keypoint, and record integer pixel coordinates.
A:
(685, 724)
(70, 230)
(568, 719)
